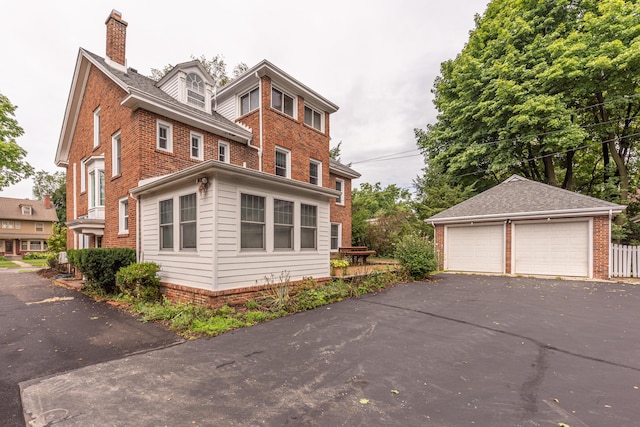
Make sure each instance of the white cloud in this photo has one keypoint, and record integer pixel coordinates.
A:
(376, 59)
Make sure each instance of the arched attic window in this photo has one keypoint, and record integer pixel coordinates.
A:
(195, 90)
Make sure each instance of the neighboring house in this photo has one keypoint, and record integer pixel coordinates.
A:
(221, 187)
(26, 225)
(526, 227)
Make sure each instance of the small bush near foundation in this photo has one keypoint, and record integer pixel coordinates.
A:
(2, 258)
(100, 265)
(35, 255)
(417, 255)
(139, 280)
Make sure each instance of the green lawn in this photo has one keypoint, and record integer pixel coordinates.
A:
(8, 264)
(36, 262)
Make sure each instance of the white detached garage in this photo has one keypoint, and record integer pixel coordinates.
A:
(526, 227)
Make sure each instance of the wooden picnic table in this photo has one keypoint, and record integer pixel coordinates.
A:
(356, 254)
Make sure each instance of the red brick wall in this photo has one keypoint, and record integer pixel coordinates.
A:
(439, 236)
(601, 240)
(342, 213)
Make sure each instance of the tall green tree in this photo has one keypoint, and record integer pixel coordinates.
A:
(13, 167)
(548, 89)
(54, 185)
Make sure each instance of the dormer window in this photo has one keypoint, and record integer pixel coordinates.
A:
(195, 90)
(26, 210)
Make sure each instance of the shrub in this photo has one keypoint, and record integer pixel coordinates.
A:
(417, 255)
(139, 280)
(35, 255)
(2, 258)
(339, 263)
(100, 265)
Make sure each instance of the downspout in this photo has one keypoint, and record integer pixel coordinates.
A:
(610, 217)
(435, 244)
(139, 257)
(260, 112)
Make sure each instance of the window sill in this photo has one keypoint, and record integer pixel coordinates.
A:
(163, 151)
(313, 129)
(123, 234)
(115, 177)
(285, 115)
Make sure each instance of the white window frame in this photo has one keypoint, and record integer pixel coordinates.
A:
(290, 227)
(293, 98)
(26, 210)
(168, 225)
(314, 111)
(308, 227)
(339, 237)
(340, 198)
(263, 223)
(251, 107)
(41, 226)
(227, 151)
(96, 127)
(318, 163)
(24, 245)
(200, 139)
(116, 154)
(201, 104)
(182, 222)
(123, 215)
(169, 127)
(287, 153)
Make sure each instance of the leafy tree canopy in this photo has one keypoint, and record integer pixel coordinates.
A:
(54, 185)
(216, 67)
(13, 167)
(546, 89)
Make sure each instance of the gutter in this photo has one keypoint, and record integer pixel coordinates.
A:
(528, 215)
(260, 115)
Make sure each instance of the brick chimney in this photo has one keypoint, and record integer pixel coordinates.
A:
(47, 202)
(116, 40)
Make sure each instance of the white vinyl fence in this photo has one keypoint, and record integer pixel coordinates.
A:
(625, 261)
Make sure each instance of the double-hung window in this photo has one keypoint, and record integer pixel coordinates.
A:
(123, 213)
(340, 188)
(188, 222)
(224, 155)
(283, 162)
(336, 229)
(96, 127)
(164, 136)
(308, 226)
(116, 154)
(249, 101)
(96, 188)
(313, 118)
(39, 226)
(315, 172)
(166, 224)
(196, 146)
(252, 221)
(282, 102)
(282, 224)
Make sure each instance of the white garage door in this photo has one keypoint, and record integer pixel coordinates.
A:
(553, 248)
(476, 248)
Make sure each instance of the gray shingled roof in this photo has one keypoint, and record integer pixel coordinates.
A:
(11, 209)
(144, 84)
(342, 170)
(517, 196)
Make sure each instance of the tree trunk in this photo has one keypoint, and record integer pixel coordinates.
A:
(567, 184)
(622, 168)
(549, 171)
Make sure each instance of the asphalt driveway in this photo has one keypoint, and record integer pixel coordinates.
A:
(463, 350)
(46, 329)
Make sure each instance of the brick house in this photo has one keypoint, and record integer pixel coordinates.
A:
(526, 227)
(26, 225)
(220, 186)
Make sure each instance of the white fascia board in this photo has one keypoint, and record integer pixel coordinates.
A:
(218, 168)
(344, 173)
(137, 99)
(530, 215)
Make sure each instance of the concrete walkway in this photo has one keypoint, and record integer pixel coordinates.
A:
(463, 350)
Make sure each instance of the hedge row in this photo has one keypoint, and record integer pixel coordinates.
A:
(100, 265)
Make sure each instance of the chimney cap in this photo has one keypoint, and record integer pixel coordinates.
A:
(115, 14)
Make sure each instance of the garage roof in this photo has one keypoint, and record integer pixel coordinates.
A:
(518, 197)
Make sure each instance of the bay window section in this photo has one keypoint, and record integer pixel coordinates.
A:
(166, 224)
(282, 224)
(308, 226)
(188, 222)
(252, 222)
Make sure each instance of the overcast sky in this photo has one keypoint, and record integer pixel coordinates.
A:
(375, 59)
